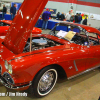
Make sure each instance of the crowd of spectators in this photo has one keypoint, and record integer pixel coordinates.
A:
(70, 17)
(46, 14)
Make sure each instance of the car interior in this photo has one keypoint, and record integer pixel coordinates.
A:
(80, 37)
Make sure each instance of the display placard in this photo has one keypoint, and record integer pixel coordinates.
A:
(61, 33)
(67, 35)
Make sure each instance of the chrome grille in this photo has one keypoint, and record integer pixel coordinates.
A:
(8, 78)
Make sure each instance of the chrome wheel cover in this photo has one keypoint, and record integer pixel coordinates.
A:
(47, 82)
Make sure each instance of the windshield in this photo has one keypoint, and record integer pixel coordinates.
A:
(75, 34)
(65, 32)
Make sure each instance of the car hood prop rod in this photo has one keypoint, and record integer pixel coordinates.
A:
(30, 42)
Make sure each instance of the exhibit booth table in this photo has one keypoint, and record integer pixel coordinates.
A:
(7, 17)
(40, 23)
(51, 24)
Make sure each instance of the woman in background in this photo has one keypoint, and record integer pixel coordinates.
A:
(85, 21)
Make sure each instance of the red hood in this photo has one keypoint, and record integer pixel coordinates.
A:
(22, 25)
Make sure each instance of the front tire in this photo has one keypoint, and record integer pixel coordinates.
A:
(44, 81)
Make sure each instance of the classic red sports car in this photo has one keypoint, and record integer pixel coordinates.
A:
(35, 63)
(4, 26)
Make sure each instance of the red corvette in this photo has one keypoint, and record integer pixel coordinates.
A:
(35, 63)
(4, 26)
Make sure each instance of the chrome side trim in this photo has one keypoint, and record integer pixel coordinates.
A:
(88, 70)
(75, 66)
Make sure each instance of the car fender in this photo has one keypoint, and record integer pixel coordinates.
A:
(29, 66)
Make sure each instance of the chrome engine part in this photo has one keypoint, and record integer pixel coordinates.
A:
(40, 43)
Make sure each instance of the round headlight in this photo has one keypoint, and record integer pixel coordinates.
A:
(10, 69)
(6, 64)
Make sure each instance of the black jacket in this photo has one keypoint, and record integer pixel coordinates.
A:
(58, 15)
(4, 9)
(76, 19)
(62, 17)
(13, 10)
(84, 22)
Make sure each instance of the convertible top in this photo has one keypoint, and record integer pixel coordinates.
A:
(87, 28)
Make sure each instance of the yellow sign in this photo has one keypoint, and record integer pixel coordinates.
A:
(69, 35)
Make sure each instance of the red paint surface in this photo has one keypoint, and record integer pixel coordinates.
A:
(27, 65)
(4, 29)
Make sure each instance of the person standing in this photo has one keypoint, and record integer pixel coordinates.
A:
(85, 21)
(68, 15)
(72, 18)
(4, 11)
(45, 16)
(79, 18)
(13, 11)
(62, 17)
(58, 15)
(76, 18)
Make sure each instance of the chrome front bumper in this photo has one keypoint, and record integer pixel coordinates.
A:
(8, 83)
(11, 86)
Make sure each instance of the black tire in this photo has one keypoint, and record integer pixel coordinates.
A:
(45, 76)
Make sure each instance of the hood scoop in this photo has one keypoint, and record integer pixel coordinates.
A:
(23, 24)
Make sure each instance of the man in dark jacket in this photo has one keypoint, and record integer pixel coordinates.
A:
(76, 18)
(13, 11)
(79, 18)
(85, 21)
(58, 15)
(4, 10)
(45, 16)
(62, 16)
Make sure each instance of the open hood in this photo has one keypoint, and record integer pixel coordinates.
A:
(22, 25)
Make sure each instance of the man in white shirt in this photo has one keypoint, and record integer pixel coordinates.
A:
(68, 15)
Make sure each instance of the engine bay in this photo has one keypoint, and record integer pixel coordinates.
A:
(39, 43)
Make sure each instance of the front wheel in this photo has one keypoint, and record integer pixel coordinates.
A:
(44, 81)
